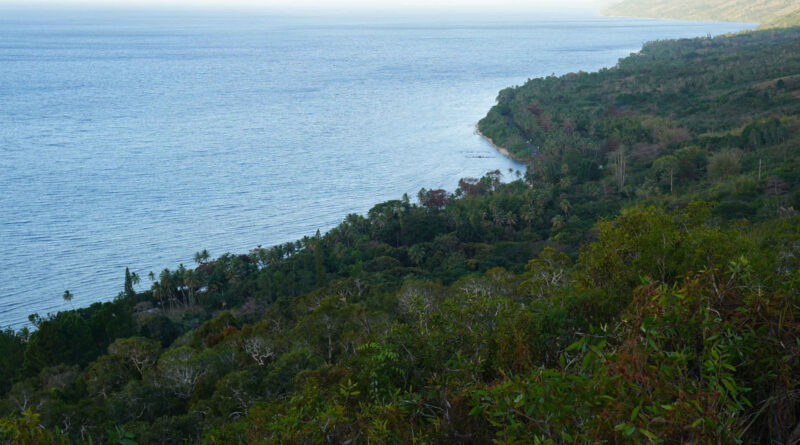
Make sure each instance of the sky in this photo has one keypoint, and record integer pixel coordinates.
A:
(462, 6)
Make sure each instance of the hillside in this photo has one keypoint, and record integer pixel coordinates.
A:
(637, 285)
(768, 13)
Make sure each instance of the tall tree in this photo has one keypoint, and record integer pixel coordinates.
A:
(131, 279)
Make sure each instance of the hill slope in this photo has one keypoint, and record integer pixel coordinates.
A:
(639, 285)
(769, 13)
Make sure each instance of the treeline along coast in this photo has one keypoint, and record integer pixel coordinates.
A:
(637, 284)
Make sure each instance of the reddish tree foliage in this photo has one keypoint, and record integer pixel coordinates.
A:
(434, 199)
(469, 186)
(545, 122)
(612, 144)
(534, 108)
(568, 125)
(613, 110)
(776, 186)
(644, 152)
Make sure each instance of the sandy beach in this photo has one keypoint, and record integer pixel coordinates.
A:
(502, 150)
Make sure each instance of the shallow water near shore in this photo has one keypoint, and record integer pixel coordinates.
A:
(136, 139)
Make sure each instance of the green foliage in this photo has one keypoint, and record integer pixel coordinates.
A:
(25, 429)
(137, 352)
(65, 338)
(616, 294)
(668, 328)
(12, 349)
(724, 164)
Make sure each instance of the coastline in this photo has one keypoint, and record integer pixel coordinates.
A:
(757, 25)
(114, 280)
(605, 13)
(502, 150)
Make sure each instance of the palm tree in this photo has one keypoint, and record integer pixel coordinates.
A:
(416, 254)
(68, 297)
(131, 279)
(201, 257)
(564, 206)
(167, 287)
(158, 293)
(191, 281)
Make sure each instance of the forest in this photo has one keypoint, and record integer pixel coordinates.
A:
(637, 284)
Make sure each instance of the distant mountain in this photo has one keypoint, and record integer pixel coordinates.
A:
(769, 13)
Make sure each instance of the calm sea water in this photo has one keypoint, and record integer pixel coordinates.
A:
(137, 140)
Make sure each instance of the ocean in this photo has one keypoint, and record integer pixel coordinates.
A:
(135, 139)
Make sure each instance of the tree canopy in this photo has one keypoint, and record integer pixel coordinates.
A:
(638, 284)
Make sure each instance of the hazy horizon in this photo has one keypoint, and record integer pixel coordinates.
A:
(335, 6)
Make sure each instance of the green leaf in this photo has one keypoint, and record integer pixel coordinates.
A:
(729, 366)
(577, 345)
(730, 386)
(476, 411)
(635, 412)
(649, 435)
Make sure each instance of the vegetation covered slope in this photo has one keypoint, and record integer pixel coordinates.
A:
(639, 284)
(769, 13)
(721, 111)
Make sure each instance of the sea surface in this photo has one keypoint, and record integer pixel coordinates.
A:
(136, 139)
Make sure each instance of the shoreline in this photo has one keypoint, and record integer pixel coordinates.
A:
(502, 150)
(603, 13)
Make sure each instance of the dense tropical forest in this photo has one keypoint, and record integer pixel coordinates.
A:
(768, 13)
(638, 284)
